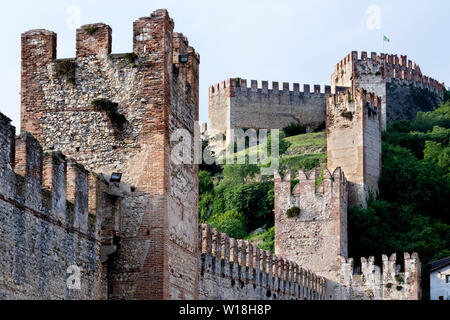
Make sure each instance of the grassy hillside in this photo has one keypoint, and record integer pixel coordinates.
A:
(306, 151)
(237, 200)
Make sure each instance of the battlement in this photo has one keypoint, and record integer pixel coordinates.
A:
(238, 103)
(243, 263)
(309, 183)
(389, 66)
(242, 86)
(344, 99)
(311, 219)
(390, 282)
(49, 185)
(95, 40)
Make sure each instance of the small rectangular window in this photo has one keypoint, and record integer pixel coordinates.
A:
(447, 277)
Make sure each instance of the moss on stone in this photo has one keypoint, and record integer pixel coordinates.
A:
(389, 285)
(399, 279)
(66, 68)
(347, 114)
(91, 30)
(131, 59)
(293, 212)
(110, 108)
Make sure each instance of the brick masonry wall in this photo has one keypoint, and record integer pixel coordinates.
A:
(237, 270)
(157, 94)
(233, 105)
(43, 232)
(403, 89)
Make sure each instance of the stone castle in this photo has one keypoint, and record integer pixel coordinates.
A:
(65, 213)
(403, 89)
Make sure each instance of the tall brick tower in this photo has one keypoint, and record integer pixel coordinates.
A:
(144, 96)
(354, 141)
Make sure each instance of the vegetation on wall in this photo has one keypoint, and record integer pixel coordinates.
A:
(90, 30)
(66, 69)
(131, 59)
(111, 110)
(293, 212)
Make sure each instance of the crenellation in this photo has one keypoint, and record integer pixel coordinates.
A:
(263, 87)
(385, 283)
(253, 274)
(93, 40)
(28, 163)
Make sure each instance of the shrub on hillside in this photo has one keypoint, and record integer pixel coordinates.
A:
(294, 130)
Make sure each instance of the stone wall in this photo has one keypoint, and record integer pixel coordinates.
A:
(51, 213)
(391, 282)
(316, 239)
(238, 270)
(233, 105)
(354, 141)
(156, 91)
(403, 89)
(317, 236)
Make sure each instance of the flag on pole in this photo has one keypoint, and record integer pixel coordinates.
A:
(386, 39)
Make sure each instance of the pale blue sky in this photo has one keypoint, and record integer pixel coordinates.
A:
(286, 41)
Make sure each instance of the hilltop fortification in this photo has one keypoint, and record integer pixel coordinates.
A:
(403, 89)
(92, 205)
(234, 105)
(399, 82)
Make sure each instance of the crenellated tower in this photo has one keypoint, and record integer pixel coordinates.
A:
(354, 141)
(116, 113)
(399, 82)
(311, 220)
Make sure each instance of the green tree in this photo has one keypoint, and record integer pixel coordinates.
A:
(231, 222)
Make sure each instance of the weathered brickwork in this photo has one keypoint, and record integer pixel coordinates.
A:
(233, 105)
(45, 223)
(156, 90)
(354, 141)
(403, 89)
(238, 270)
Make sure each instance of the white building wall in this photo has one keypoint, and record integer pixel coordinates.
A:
(438, 284)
